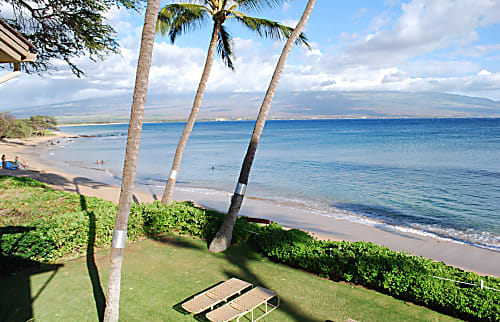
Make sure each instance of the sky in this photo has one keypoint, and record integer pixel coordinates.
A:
(449, 46)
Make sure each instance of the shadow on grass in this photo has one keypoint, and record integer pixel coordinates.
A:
(15, 278)
(239, 257)
(178, 306)
(172, 240)
(45, 177)
(99, 297)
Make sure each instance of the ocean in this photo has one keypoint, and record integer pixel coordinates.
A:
(437, 177)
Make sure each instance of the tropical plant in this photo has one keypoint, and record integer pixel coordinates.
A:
(40, 123)
(65, 29)
(222, 239)
(130, 165)
(10, 127)
(175, 19)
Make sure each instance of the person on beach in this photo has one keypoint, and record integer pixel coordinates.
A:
(4, 162)
(17, 163)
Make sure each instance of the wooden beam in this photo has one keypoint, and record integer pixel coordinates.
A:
(7, 50)
(9, 76)
(6, 33)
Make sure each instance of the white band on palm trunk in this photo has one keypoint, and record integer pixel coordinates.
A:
(119, 238)
(173, 174)
(240, 189)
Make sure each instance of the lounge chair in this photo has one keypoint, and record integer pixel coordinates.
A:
(245, 304)
(217, 294)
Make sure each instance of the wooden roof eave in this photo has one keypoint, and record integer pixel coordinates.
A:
(13, 46)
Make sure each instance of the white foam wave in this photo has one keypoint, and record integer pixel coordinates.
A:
(484, 240)
(205, 191)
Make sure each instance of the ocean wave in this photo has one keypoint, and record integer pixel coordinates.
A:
(205, 191)
(485, 240)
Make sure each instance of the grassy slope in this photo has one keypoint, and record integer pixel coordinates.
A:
(159, 275)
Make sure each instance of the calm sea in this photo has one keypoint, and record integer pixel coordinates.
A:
(430, 176)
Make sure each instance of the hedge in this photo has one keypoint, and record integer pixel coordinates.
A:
(395, 273)
(44, 225)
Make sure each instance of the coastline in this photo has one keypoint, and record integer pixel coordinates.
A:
(312, 118)
(479, 260)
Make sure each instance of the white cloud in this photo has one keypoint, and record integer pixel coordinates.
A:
(427, 68)
(393, 57)
(394, 75)
(423, 27)
(6, 10)
(290, 22)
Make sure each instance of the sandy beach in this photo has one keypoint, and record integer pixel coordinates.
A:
(480, 260)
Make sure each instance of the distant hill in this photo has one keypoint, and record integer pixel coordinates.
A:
(285, 105)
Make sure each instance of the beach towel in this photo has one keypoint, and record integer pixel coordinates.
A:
(10, 166)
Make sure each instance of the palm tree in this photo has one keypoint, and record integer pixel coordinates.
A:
(222, 239)
(175, 19)
(130, 165)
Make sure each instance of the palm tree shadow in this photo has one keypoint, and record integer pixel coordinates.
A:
(239, 257)
(100, 299)
(16, 292)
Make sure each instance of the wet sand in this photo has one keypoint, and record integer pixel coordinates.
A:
(482, 261)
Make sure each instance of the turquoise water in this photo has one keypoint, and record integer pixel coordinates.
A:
(430, 176)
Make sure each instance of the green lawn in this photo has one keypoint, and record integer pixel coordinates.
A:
(158, 275)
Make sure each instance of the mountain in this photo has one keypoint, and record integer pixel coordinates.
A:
(288, 105)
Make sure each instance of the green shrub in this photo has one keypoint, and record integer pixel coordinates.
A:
(67, 228)
(395, 273)
(45, 225)
(186, 218)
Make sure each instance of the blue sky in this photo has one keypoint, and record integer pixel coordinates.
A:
(449, 46)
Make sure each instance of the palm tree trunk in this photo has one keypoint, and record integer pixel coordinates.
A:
(168, 194)
(130, 165)
(222, 239)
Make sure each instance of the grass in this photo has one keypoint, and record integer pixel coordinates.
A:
(158, 275)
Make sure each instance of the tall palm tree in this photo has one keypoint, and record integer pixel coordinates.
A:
(129, 169)
(222, 239)
(175, 19)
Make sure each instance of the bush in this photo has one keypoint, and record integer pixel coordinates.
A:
(395, 273)
(186, 218)
(67, 228)
(45, 225)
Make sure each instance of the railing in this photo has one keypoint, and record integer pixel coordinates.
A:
(471, 284)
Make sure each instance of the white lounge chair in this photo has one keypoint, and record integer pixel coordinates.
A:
(246, 304)
(217, 294)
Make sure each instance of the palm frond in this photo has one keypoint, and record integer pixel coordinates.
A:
(176, 19)
(258, 5)
(268, 28)
(225, 47)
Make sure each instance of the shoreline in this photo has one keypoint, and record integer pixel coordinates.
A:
(465, 256)
(319, 118)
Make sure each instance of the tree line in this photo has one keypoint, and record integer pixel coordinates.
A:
(36, 125)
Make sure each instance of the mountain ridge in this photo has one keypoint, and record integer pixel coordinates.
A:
(286, 105)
